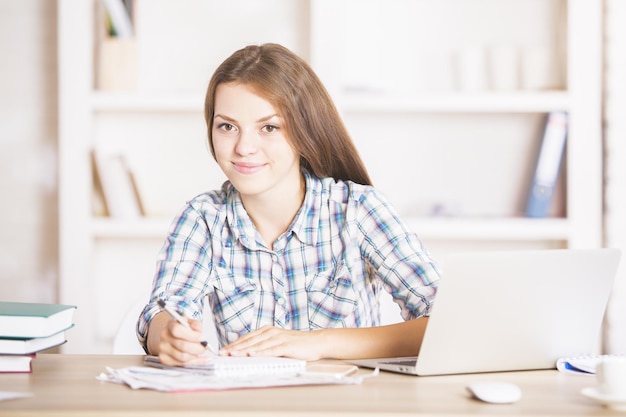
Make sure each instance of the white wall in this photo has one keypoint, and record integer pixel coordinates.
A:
(615, 169)
(28, 208)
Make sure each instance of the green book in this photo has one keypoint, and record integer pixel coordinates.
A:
(30, 320)
(30, 345)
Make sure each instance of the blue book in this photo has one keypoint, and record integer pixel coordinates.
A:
(541, 193)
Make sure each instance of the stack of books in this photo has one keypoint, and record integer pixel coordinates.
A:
(28, 328)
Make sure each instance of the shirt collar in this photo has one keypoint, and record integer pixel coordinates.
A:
(239, 221)
(304, 225)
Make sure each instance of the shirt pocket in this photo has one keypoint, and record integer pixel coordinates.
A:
(234, 309)
(332, 299)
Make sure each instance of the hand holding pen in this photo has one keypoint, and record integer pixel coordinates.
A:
(176, 316)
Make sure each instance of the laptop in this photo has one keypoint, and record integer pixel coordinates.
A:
(512, 310)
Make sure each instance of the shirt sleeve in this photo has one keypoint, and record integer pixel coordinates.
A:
(397, 255)
(182, 269)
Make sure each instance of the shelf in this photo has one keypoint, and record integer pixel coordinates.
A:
(354, 102)
(146, 102)
(505, 229)
(144, 228)
(525, 102)
(511, 229)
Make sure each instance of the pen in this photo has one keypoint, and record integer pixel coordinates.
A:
(176, 316)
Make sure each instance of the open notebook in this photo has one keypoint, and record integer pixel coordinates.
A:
(512, 310)
(244, 366)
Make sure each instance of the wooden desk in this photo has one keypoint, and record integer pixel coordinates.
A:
(66, 385)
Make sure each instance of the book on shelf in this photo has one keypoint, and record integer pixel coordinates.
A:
(119, 18)
(16, 363)
(118, 185)
(30, 345)
(545, 174)
(31, 320)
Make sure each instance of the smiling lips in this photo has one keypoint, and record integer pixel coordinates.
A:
(247, 168)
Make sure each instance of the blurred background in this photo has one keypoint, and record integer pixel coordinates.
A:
(103, 136)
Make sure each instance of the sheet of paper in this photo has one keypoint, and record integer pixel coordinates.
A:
(142, 377)
(12, 395)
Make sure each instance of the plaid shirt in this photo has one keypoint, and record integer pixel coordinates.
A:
(345, 244)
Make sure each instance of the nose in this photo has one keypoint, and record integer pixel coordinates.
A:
(247, 143)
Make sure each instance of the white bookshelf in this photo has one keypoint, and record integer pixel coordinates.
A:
(572, 28)
(522, 102)
(161, 128)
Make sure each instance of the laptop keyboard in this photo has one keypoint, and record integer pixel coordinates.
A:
(404, 362)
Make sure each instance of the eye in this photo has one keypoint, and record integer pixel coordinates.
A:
(270, 128)
(226, 127)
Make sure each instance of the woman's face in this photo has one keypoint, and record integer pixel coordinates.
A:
(250, 143)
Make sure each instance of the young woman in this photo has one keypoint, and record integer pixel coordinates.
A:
(292, 252)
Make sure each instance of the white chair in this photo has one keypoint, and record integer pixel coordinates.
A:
(126, 343)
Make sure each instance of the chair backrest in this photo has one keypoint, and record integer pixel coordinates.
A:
(126, 343)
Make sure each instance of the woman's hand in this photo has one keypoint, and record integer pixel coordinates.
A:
(274, 341)
(176, 344)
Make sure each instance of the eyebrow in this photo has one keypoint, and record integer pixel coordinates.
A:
(230, 119)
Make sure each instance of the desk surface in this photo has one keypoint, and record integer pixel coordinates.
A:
(66, 385)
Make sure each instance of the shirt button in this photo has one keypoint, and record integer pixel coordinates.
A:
(281, 301)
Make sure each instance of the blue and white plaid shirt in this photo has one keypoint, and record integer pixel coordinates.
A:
(345, 244)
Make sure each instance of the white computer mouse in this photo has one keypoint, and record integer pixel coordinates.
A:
(496, 392)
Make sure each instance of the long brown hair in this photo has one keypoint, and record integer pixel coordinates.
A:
(312, 121)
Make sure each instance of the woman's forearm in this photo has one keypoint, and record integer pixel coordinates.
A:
(402, 339)
(395, 340)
